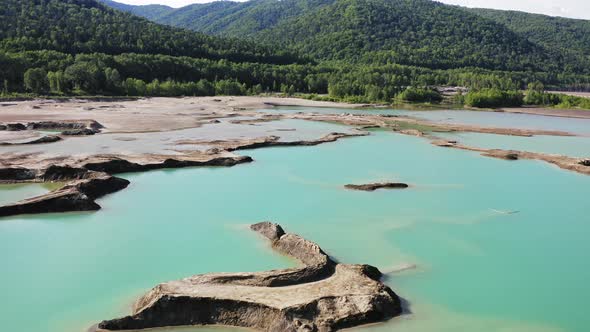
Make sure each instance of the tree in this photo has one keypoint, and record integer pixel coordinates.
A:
(5, 87)
(85, 76)
(205, 88)
(229, 88)
(112, 80)
(134, 87)
(35, 80)
(57, 81)
(536, 86)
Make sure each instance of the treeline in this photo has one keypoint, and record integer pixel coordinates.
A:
(535, 95)
(97, 73)
(52, 72)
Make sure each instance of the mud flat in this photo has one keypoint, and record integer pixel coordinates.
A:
(404, 124)
(322, 295)
(148, 114)
(177, 132)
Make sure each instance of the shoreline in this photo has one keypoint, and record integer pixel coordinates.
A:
(545, 111)
(155, 119)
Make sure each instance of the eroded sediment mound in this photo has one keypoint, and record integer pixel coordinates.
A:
(78, 195)
(375, 186)
(90, 178)
(320, 296)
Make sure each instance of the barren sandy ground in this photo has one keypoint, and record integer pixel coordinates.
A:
(582, 114)
(131, 136)
(149, 114)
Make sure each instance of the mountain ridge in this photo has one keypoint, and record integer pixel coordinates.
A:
(419, 32)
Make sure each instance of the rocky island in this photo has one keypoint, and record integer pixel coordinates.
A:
(377, 185)
(322, 295)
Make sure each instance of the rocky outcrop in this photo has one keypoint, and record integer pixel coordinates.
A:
(64, 173)
(90, 178)
(269, 141)
(71, 128)
(79, 132)
(347, 296)
(41, 140)
(75, 196)
(375, 186)
(114, 165)
(64, 125)
(14, 127)
(17, 174)
(563, 162)
(511, 156)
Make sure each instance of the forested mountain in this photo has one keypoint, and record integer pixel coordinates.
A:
(557, 33)
(353, 50)
(412, 32)
(82, 46)
(151, 12)
(85, 26)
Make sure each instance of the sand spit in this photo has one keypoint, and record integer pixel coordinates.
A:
(564, 162)
(428, 130)
(563, 113)
(322, 295)
(405, 124)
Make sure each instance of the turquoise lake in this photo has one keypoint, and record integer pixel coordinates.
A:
(477, 268)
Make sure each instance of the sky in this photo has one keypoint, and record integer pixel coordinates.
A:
(566, 8)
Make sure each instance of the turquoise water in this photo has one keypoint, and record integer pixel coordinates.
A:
(478, 269)
(479, 118)
(11, 193)
(573, 146)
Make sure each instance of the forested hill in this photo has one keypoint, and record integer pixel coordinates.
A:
(364, 51)
(86, 26)
(151, 12)
(412, 32)
(551, 32)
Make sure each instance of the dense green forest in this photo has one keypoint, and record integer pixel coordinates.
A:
(85, 26)
(151, 12)
(84, 47)
(226, 17)
(553, 33)
(412, 32)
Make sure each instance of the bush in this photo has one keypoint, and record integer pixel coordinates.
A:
(419, 95)
(558, 100)
(230, 88)
(491, 98)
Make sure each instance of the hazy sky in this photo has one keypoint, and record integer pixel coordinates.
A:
(567, 8)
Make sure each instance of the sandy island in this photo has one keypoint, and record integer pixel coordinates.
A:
(321, 295)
